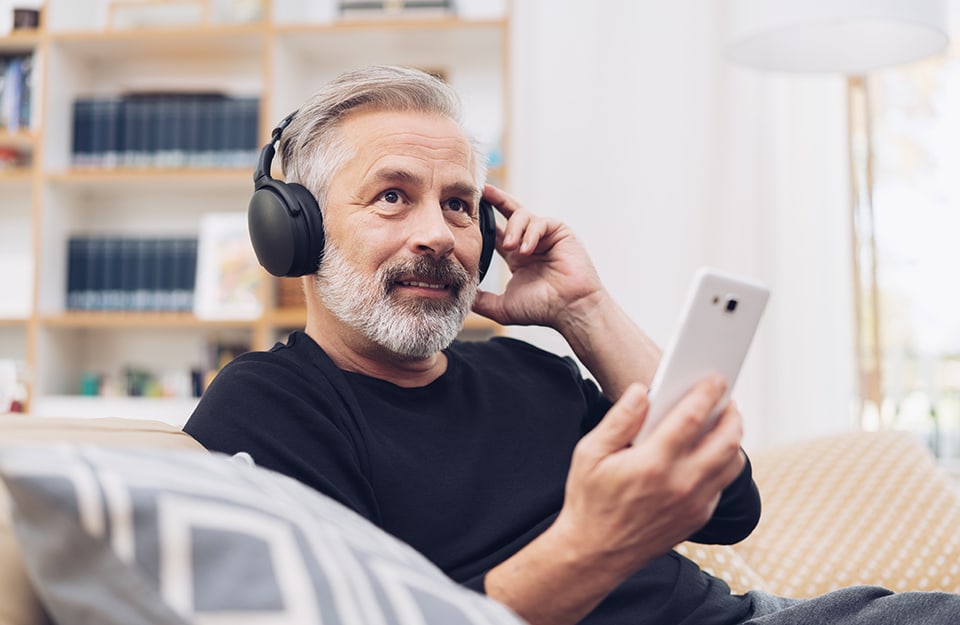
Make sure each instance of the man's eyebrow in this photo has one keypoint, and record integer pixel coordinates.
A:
(397, 175)
(457, 189)
(462, 189)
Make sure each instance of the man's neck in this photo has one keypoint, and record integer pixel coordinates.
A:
(353, 352)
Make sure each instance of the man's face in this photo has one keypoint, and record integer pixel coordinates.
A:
(403, 240)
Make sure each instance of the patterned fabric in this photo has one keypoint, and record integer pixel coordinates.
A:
(844, 510)
(19, 604)
(858, 508)
(724, 562)
(172, 537)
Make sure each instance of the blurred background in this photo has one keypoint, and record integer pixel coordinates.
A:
(631, 121)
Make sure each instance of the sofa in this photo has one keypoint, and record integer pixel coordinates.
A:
(129, 521)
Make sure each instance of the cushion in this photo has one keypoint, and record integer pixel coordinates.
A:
(130, 537)
(855, 508)
(19, 605)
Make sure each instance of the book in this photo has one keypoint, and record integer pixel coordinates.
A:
(186, 273)
(390, 9)
(129, 272)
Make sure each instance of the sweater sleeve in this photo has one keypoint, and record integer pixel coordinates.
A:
(737, 513)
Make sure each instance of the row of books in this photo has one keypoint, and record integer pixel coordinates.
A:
(131, 273)
(16, 91)
(166, 130)
(382, 8)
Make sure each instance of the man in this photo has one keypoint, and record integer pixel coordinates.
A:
(496, 460)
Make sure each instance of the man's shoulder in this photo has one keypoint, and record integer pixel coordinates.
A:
(299, 356)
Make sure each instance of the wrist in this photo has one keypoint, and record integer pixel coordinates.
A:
(607, 341)
(557, 579)
(576, 319)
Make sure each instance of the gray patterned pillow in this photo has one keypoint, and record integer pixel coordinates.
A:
(131, 537)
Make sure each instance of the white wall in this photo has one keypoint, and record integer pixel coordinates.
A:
(629, 125)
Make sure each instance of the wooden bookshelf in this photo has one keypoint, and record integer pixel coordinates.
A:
(281, 59)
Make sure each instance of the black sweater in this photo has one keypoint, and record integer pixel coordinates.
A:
(467, 469)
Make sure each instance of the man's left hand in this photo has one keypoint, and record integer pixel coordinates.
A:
(553, 280)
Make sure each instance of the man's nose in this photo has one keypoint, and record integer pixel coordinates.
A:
(431, 234)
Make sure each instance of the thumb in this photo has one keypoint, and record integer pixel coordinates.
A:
(489, 305)
(622, 422)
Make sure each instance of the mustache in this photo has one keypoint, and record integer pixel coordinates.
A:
(427, 269)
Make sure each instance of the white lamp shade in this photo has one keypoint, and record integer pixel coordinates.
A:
(847, 36)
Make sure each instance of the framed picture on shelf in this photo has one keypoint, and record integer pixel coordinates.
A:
(229, 277)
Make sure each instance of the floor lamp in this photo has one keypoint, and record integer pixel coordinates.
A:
(850, 38)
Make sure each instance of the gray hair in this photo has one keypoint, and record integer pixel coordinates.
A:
(312, 151)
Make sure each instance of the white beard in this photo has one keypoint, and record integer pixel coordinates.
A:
(413, 329)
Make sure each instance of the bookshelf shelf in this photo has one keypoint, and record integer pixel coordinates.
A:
(53, 196)
(20, 41)
(208, 41)
(286, 318)
(129, 319)
(239, 179)
(24, 139)
(16, 176)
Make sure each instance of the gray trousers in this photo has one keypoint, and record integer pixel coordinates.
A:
(857, 605)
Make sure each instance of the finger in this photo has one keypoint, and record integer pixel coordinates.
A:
(505, 203)
(516, 227)
(533, 234)
(621, 423)
(490, 305)
(684, 424)
(719, 450)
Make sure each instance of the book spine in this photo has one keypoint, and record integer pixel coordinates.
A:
(76, 272)
(81, 132)
(143, 297)
(98, 132)
(166, 274)
(112, 110)
(250, 143)
(94, 280)
(129, 272)
(110, 263)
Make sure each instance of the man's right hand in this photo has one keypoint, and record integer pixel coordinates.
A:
(624, 504)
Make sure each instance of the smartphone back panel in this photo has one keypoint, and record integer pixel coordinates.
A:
(717, 326)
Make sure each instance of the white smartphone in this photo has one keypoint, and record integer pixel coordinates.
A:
(719, 320)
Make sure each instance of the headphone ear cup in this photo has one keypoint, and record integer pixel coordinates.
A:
(286, 228)
(488, 232)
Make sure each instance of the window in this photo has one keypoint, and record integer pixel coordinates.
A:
(907, 248)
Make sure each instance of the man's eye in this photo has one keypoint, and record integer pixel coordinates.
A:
(458, 205)
(390, 197)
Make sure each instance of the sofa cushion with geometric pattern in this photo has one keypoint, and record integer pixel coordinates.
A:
(147, 537)
(19, 604)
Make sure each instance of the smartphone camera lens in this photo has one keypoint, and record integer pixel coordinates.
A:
(731, 304)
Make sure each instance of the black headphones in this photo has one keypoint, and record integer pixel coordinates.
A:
(286, 227)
